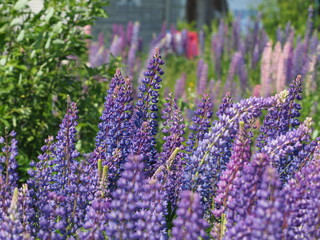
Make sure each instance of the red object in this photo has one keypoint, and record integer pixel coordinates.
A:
(192, 45)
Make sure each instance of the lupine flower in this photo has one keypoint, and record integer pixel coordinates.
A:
(151, 222)
(137, 208)
(125, 202)
(53, 219)
(113, 140)
(287, 152)
(173, 128)
(241, 154)
(280, 120)
(10, 226)
(96, 219)
(201, 122)
(217, 47)
(147, 105)
(173, 131)
(302, 202)
(213, 153)
(180, 88)
(189, 224)
(236, 34)
(265, 219)
(133, 49)
(246, 184)
(233, 70)
(202, 77)
(8, 167)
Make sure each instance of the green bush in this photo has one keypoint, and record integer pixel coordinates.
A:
(41, 62)
(277, 13)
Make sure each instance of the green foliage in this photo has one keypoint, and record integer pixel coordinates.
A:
(41, 62)
(278, 12)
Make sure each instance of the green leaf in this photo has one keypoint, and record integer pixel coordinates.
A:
(5, 122)
(57, 28)
(3, 61)
(16, 21)
(20, 4)
(58, 41)
(48, 43)
(33, 53)
(21, 36)
(49, 15)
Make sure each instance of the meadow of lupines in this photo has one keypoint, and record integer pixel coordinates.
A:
(244, 62)
(249, 172)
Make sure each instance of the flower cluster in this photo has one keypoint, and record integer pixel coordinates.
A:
(213, 180)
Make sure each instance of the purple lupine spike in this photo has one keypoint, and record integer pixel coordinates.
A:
(143, 144)
(289, 64)
(217, 47)
(129, 32)
(241, 154)
(226, 103)
(183, 42)
(202, 77)
(116, 46)
(125, 203)
(96, 219)
(237, 67)
(302, 201)
(189, 224)
(280, 35)
(244, 193)
(151, 219)
(58, 174)
(213, 153)
(39, 182)
(201, 42)
(236, 34)
(147, 105)
(114, 130)
(64, 153)
(255, 57)
(180, 88)
(97, 213)
(65, 173)
(8, 162)
(309, 27)
(263, 41)
(287, 152)
(10, 226)
(230, 82)
(264, 220)
(282, 118)
(100, 39)
(8, 167)
(173, 128)
(243, 75)
(282, 68)
(173, 32)
(298, 60)
(98, 54)
(214, 87)
(173, 131)
(27, 211)
(288, 29)
(53, 220)
(134, 44)
(201, 122)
